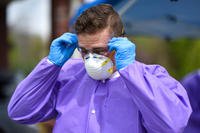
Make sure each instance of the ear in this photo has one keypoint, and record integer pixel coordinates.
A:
(112, 56)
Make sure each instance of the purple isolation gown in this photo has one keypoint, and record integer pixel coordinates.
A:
(137, 99)
(191, 82)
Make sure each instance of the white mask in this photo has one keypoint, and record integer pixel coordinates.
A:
(98, 67)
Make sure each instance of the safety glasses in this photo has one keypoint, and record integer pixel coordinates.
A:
(99, 50)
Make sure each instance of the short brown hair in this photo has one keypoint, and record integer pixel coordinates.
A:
(98, 18)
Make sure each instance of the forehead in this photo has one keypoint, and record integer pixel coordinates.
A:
(99, 39)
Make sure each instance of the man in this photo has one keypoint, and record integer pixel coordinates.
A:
(100, 93)
(191, 82)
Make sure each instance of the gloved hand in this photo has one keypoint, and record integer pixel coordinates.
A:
(62, 48)
(125, 51)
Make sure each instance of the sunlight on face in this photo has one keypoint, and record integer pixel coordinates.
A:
(97, 40)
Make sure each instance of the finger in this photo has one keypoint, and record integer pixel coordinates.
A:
(112, 46)
(66, 39)
(115, 42)
(70, 39)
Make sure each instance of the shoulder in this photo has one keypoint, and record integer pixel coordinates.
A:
(151, 68)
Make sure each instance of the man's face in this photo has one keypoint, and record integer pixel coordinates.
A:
(95, 43)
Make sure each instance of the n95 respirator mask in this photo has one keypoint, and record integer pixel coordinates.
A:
(98, 67)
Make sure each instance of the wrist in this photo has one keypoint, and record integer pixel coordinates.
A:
(56, 62)
(124, 63)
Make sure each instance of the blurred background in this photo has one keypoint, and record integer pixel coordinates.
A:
(166, 32)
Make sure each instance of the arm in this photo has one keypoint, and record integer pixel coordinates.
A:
(34, 98)
(162, 101)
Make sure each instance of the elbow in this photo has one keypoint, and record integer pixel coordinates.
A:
(16, 115)
(13, 114)
(24, 116)
(180, 118)
(20, 119)
(180, 122)
(177, 128)
(175, 122)
(10, 111)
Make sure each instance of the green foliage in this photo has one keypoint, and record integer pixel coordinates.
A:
(184, 56)
(151, 50)
(25, 52)
(179, 56)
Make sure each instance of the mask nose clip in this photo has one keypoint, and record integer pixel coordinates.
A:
(89, 55)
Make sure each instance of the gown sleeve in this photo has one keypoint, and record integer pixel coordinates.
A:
(34, 98)
(161, 100)
(191, 82)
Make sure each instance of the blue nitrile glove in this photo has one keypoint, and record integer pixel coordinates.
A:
(62, 48)
(125, 51)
